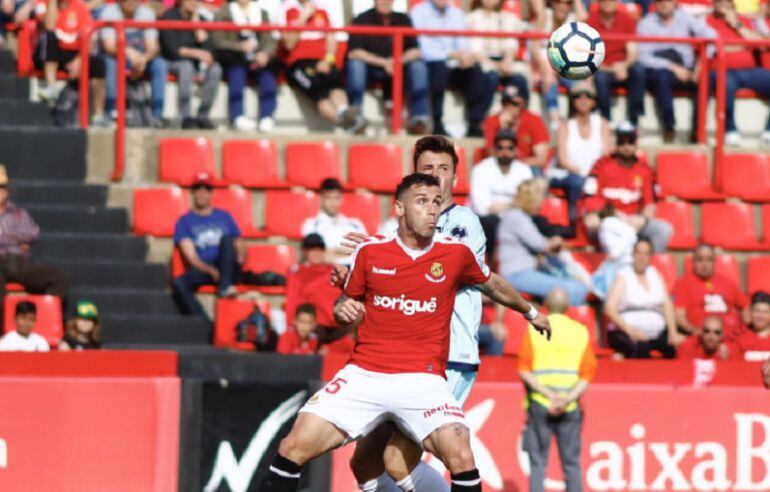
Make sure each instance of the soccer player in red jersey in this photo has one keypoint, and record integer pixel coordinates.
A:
(401, 290)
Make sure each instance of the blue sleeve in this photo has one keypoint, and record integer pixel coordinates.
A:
(182, 229)
(234, 230)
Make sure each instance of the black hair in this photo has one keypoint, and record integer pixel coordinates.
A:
(704, 245)
(437, 144)
(760, 297)
(415, 179)
(330, 184)
(305, 309)
(641, 240)
(26, 307)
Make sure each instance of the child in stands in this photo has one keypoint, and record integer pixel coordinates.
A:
(300, 338)
(83, 331)
(23, 339)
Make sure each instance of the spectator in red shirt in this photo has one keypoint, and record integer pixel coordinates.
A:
(755, 342)
(301, 338)
(741, 63)
(626, 182)
(619, 68)
(533, 139)
(703, 292)
(310, 59)
(709, 344)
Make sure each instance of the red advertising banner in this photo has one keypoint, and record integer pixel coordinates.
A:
(89, 434)
(634, 438)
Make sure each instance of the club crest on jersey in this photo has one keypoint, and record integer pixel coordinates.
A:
(459, 232)
(436, 273)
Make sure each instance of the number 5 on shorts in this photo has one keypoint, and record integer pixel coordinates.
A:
(334, 386)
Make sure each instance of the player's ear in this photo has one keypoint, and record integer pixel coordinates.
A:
(398, 206)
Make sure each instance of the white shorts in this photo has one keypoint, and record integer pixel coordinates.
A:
(357, 401)
(461, 383)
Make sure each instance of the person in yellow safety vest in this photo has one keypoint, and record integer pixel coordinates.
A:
(556, 374)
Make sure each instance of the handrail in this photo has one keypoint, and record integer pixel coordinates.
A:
(398, 34)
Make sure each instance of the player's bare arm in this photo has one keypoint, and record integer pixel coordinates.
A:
(502, 292)
(348, 312)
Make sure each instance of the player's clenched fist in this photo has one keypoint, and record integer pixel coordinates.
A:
(542, 325)
(339, 272)
(348, 311)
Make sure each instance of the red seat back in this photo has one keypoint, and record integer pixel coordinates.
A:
(309, 163)
(666, 265)
(758, 274)
(180, 159)
(364, 206)
(251, 163)
(156, 210)
(237, 201)
(276, 258)
(376, 167)
(555, 210)
(229, 312)
(680, 216)
(49, 323)
(685, 175)
(729, 225)
(747, 176)
(285, 211)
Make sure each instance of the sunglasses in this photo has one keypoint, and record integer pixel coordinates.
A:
(504, 147)
(205, 187)
(578, 95)
(626, 141)
(715, 332)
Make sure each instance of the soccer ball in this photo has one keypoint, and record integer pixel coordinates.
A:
(575, 50)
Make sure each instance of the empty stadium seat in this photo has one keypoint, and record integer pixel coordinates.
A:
(729, 225)
(237, 201)
(747, 176)
(766, 225)
(364, 206)
(685, 175)
(666, 265)
(180, 159)
(758, 274)
(376, 167)
(309, 163)
(726, 265)
(228, 313)
(156, 210)
(517, 326)
(286, 210)
(555, 210)
(270, 257)
(49, 323)
(251, 163)
(680, 216)
(589, 259)
(463, 186)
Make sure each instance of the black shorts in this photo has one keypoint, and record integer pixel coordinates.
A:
(48, 50)
(303, 76)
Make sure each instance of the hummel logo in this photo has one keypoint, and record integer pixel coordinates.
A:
(383, 271)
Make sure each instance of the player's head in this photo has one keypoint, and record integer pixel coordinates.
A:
(436, 155)
(760, 311)
(703, 261)
(418, 204)
(712, 333)
(305, 320)
(642, 255)
(330, 196)
(557, 301)
(505, 146)
(25, 317)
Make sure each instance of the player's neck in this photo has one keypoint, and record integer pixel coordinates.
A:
(413, 241)
(448, 202)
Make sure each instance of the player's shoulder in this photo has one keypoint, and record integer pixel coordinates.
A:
(451, 243)
(375, 241)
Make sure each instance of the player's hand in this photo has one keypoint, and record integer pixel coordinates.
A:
(214, 274)
(681, 73)
(542, 325)
(675, 339)
(339, 273)
(636, 335)
(348, 311)
(352, 240)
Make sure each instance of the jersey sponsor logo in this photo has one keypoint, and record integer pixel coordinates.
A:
(623, 195)
(407, 306)
(714, 303)
(384, 271)
(436, 273)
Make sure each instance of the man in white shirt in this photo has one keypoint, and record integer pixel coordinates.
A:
(330, 224)
(22, 339)
(494, 182)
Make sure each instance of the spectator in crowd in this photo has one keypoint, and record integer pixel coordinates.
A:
(704, 292)
(556, 373)
(520, 243)
(497, 56)
(14, 12)
(310, 64)
(211, 246)
(618, 235)
(244, 55)
(640, 310)
(620, 67)
(330, 224)
(755, 341)
(370, 59)
(582, 140)
(494, 182)
(23, 339)
(83, 331)
(142, 53)
(669, 66)
(189, 53)
(743, 71)
(18, 232)
(624, 180)
(301, 338)
(709, 343)
(532, 138)
(63, 20)
(450, 62)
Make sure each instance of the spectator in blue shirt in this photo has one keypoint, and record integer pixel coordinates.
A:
(450, 60)
(211, 246)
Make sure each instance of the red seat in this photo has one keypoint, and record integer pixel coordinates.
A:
(49, 323)
(666, 264)
(156, 210)
(766, 225)
(555, 210)
(364, 206)
(309, 163)
(237, 201)
(517, 326)
(758, 274)
(180, 159)
(747, 176)
(480, 154)
(726, 265)
(270, 257)
(680, 216)
(251, 163)
(376, 167)
(286, 210)
(463, 186)
(729, 225)
(228, 313)
(685, 175)
(589, 260)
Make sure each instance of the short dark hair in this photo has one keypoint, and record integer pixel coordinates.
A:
(305, 309)
(438, 144)
(25, 307)
(330, 184)
(703, 245)
(415, 179)
(760, 297)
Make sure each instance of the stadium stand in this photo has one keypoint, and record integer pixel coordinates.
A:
(157, 209)
(323, 155)
(685, 175)
(727, 265)
(680, 215)
(747, 176)
(286, 210)
(729, 225)
(758, 274)
(237, 201)
(251, 163)
(375, 167)
(364, 206)
(182, 158)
